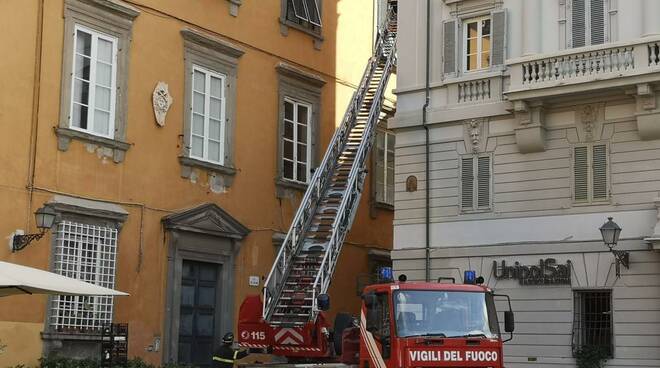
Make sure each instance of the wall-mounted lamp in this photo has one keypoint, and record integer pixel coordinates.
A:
(44, 218)
(610, 232)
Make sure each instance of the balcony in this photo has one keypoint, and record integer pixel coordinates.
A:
(600, 67)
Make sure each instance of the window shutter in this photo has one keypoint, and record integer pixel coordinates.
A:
(580, 174)
(483, 182)
(578, 23)
(599, 172)
(449, 28)
(467, 183)
(597, 15)
(498, 34)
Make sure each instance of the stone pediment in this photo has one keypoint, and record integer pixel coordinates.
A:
(207, 219)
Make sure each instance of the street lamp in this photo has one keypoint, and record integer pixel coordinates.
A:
(44, 218)
(610, 232)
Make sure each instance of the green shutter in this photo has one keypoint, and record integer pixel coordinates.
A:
(467, 183)
(498, 34)
(581, 174)
(578, 23)
(449, 46)
(599, 172)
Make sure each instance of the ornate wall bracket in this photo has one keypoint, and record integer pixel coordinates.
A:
(654, 240)
(647, 114)
(530, 133)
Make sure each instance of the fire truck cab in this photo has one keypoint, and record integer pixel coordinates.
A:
(421, 324)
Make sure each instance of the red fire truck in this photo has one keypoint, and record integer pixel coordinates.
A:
(402, 324)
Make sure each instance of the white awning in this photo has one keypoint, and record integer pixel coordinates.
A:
(17, 279)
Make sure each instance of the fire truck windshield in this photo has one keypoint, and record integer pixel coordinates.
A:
(445, 314)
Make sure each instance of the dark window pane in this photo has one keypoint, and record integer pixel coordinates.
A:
(288, 110)
(288, 169)
(302, 152)
(302, 172)
(288, 150)
(184, 352)
(203, 353)
(188, 270)
(187, 295)
(206, 296)
(302, 133)
(186, 324)
(485, 27)
(208, 272)
(303, 112)
(288, 130)
(83, 43)
(204, 325)
(79, 116)
(82, 67)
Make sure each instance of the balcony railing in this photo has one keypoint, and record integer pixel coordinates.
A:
(587, 64)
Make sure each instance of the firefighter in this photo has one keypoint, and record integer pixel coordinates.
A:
(225, 356)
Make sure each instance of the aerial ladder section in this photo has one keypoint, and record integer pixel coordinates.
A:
(307, 259)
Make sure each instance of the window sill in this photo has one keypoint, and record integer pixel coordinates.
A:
(592, 203)
(470, 211)
(71, 336)
(65, 135)
(224, 174)
(286, 24)
(383, 206)
(287, 189)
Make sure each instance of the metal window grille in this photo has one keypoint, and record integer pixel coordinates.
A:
(87, 253)
(592, 320)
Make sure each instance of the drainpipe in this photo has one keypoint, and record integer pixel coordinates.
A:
(427, 92)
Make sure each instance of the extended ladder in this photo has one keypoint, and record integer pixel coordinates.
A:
(308, 256)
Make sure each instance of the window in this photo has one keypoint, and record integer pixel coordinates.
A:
(588, 22)
(95, 75)
(93, 83)
(590, 178)
(303, 15)
(208, 115)
(87, 253)
(303, 12)
(209, 119)
(384, 159)
(476, 43)
(592, 321)
(296, 141)
(475, 183)
(299, 102)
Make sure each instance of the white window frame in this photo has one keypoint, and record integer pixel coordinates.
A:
(464, 36)
(386, 175)
(208, 74)
(475, 183)
(590, 174)
(91, 104)
(308, 162)
(608, 12)
(74, 243)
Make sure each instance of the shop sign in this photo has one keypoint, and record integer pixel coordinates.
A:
(547, 272)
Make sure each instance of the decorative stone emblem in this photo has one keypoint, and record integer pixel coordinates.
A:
(588, 118)
(411, 184)
(474, 132)
(161, 101)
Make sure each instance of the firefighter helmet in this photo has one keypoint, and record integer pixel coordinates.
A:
(228, 338)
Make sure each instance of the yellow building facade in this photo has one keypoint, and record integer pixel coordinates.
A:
(173, 139)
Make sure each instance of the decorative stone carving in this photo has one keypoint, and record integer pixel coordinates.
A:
(588, 119)
(475, 135)
(162, 102)
(411, 183)
(654, 240)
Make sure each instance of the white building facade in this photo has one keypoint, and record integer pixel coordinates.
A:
(543, 120)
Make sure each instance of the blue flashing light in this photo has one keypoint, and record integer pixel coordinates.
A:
(386, 274)
(470, 277)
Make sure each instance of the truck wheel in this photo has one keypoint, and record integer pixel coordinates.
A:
(342, 321)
